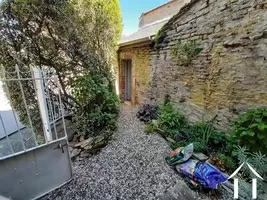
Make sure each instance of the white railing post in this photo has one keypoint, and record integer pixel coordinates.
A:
(254, 188)
(235, 188)
(40, 92)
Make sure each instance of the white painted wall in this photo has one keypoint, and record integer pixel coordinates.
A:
(7, 115)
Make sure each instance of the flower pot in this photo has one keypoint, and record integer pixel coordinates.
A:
(181, 135)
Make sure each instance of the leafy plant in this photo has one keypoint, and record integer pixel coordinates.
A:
(184, 52)
(258, 161)
(228, 161)
(147, 112)
(202, 134)
(169, 120)
(149, 128)
(159, 37)
(72, 38)
(206, 130)
(199, 146)
(250, 130)
(218, 138)
(241, 153)
(202, 131)
(100, 105)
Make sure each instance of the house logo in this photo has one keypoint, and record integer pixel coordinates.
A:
(254, 181)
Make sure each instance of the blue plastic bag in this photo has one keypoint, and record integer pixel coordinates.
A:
(203, 173)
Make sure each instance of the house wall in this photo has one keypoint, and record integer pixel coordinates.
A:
(166, 10)
(229, 75)
(140, 69)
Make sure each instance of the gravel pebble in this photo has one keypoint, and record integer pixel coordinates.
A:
(132, 166)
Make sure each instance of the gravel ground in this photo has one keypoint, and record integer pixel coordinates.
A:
(132, 166)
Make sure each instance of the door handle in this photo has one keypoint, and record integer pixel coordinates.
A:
(60, 146)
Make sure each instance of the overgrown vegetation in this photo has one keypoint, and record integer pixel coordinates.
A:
(77, 40)
(99, 104)
(169, 120)
(226, 150)
(258, 161)
(225, 162)
(149, 128)
(184, 52)
(147, 113)
(250, 130)
(159, 37)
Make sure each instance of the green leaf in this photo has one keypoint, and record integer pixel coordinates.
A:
(262, 126)
(258, 120)
(261, 135)
(251, 141)
(253, 125)
(248, 132)
(264, 113)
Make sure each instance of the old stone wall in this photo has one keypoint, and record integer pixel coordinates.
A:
(229, 75)
(139, 56)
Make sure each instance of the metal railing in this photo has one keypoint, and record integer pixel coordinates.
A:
(35, 109)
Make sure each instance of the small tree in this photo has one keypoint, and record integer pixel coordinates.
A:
(72, 38)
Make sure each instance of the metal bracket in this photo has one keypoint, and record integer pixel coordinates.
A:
(60, 146)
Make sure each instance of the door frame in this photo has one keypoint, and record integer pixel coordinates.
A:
(128, 80)
(123, 80)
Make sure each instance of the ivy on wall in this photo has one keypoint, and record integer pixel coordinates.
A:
(184, 52)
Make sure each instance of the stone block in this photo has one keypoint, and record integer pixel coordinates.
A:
(200, 156)
(84, 143)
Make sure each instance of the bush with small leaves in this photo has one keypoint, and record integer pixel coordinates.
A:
(250, 130)
(147, 113)
(169, 120)
(100, 105)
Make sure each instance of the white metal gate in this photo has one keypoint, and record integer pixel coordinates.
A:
(34, 157)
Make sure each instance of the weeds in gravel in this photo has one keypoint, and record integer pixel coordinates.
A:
(149, 128)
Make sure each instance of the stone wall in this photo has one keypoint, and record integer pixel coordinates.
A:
(139, 56)
(229, 76)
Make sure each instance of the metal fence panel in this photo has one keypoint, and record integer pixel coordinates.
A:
(34, 173)
(30, 166)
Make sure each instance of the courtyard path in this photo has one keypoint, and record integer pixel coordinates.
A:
(132, 166)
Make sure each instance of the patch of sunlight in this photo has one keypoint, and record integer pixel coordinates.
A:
(4, 104)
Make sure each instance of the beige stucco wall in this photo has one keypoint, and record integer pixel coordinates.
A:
(140, 70)
(229, 76)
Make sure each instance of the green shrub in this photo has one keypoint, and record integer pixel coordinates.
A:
(199, 146)
(250, 130)
(169, 120)
(182, 143)
(203, 134)
(184, 52)
(149, 128)
(100, 105)
(203, 130)
(258, 161)
(228, 161)
(159, 37)
(218, 138)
